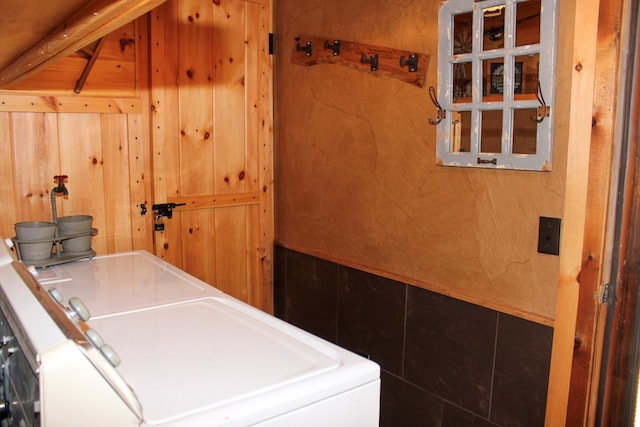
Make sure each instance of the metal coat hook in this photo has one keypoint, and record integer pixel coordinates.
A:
(543, 109)
(373, 60)
(335, 46)
(308, 48)
(411, 61)
(441, 114)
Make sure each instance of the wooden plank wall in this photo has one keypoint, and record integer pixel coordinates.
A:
(212, 139)
(99, 141)
(209, 128)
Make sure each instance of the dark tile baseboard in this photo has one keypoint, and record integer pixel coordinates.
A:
(445, 362)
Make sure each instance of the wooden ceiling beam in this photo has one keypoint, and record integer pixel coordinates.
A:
(92, 22)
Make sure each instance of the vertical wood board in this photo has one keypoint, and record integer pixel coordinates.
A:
(35, 141)
(117, 207)
(580, 83)
(585, 370)
(229, 97)
(82, 160)
(232, 251)
(198, 233)
(8, 175)
(165, 124)
(260, 16)
(196, 142)
(252, 82)
(140, 143)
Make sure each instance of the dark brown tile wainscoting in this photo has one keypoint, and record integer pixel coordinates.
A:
(445, 362)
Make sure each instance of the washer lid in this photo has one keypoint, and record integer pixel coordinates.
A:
(120, 282)
(223, 361)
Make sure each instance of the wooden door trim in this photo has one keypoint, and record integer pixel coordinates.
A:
(616, 391)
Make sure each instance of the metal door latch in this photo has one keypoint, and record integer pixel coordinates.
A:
(163, 210)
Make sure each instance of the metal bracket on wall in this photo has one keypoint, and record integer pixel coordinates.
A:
(307, 48)
(410, 67)
(411, 61)
(335, 46)
(372, 60)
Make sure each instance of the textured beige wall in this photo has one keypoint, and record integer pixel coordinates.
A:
(357, 180)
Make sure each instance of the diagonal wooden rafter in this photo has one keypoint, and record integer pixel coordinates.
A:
(92, 56)
(92, 22)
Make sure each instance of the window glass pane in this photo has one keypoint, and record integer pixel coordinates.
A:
(492, 80)
(461, 131)
(495, 77)
(462, 33)
(493, 28)
(526, 75)
(528, 22)
(491, 136)
(524, 131)
(462, 82)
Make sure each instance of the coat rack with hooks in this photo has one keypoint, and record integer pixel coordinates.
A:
(410, 67)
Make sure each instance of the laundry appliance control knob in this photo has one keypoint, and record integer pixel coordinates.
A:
(79, 309)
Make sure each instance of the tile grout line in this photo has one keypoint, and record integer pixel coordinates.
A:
(404, 330)
(337, 283)
(493, 367)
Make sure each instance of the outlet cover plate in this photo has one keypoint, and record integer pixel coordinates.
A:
(549, 236)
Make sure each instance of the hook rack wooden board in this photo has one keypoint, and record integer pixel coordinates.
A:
(351, 55)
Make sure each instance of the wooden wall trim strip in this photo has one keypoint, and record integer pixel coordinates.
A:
(581, 39)
(263, 294)
(11, 102)
(216, 200)
(140, 143)
(599, 231)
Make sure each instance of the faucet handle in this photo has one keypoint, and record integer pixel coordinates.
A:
(60, 179)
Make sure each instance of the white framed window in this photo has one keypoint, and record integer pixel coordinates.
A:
(496, 72)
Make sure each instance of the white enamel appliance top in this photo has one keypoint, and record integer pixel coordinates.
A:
(204, 354)
(123, 282)
(195, 356)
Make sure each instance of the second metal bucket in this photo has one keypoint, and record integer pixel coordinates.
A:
(79, 226)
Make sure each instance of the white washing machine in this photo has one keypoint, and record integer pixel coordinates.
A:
(129, 340)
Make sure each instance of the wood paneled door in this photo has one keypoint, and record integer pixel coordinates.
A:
(211, 118)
